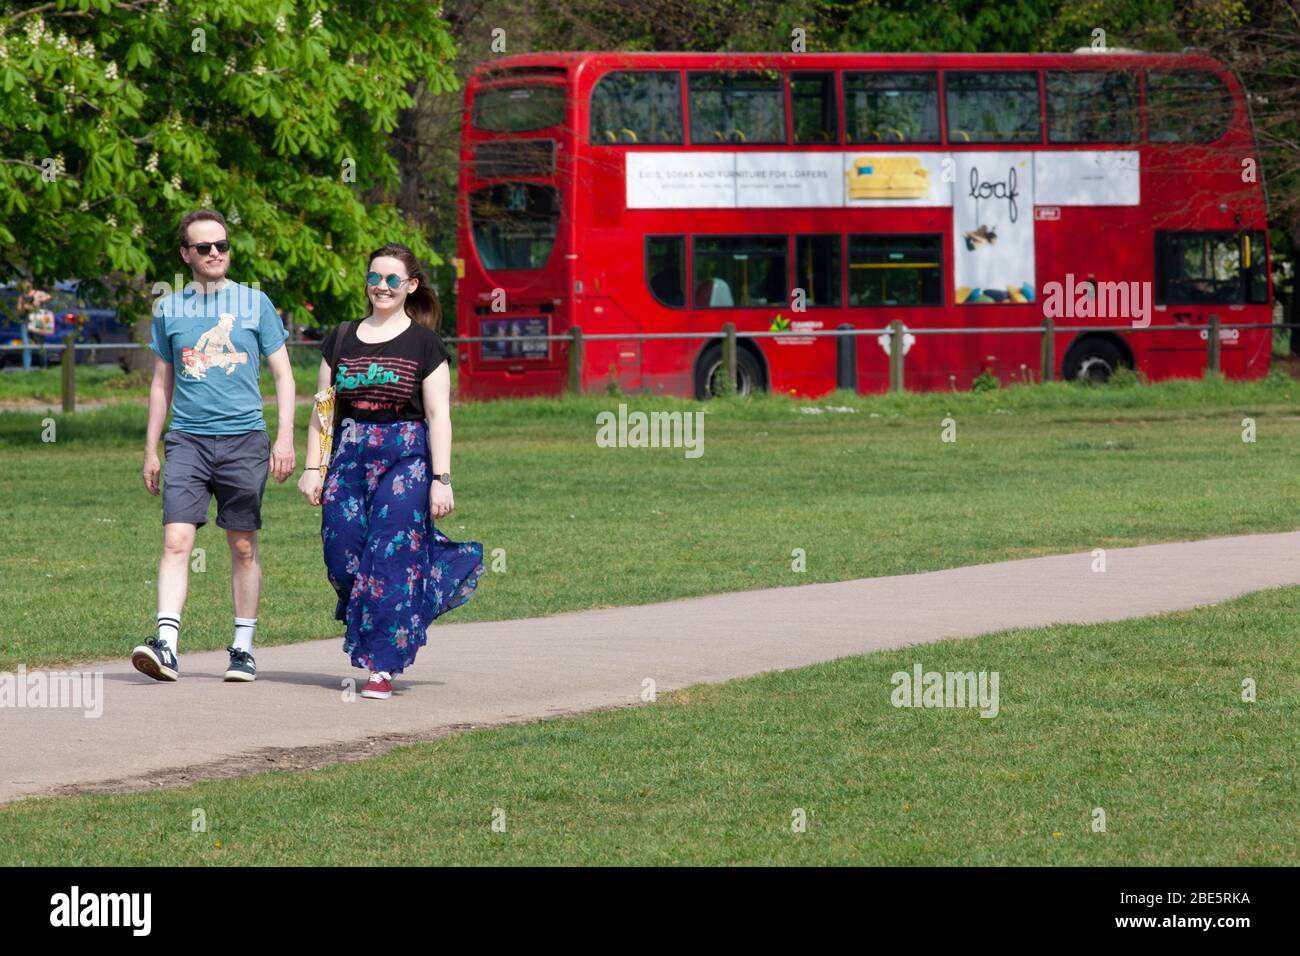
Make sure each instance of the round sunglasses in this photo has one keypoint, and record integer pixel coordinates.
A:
(393, 280)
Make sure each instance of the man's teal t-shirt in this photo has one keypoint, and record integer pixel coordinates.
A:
(215, 341)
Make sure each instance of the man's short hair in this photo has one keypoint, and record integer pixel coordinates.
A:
(194, 216)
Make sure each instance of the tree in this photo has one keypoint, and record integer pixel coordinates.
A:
(118, 116)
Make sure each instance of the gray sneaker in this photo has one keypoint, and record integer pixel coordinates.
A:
(242, 666)
(157, 660)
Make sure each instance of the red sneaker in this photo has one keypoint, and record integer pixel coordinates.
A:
(379, 687)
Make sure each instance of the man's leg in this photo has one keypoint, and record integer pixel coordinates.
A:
(174, 576)
(245, 584)
(240, 480)
(186, 495)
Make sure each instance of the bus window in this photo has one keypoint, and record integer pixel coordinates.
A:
(514, 109)
(637, 106)
(812, 103)
(817, 269)
(737, 107)
(888, 270)
(997, 107)
(739, 271)
(1091, 107)
(514, 224)
(1187, 106)
(891, 107)
(665, 269)
(1218, 268)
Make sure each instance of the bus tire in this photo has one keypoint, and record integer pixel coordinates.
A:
(1093, 359)
(749, 374)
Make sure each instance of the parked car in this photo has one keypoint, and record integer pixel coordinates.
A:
(90, 322)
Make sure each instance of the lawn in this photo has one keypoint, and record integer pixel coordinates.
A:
(567, 524)
(1142, 720)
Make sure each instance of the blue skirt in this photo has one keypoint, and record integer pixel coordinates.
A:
(393, 571)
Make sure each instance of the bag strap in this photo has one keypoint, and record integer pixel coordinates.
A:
(344, 329)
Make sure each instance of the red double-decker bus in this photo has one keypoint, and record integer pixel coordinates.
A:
(672, 193)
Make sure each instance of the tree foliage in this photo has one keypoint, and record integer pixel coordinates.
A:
(118, 116)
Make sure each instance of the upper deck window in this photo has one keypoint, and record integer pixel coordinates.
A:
(992, 107)
(514, 225)
(1092, 107)
(891, 107)
(1187, 106)
(737, 107)
(812, 104)
(515, 109)
(637, 106)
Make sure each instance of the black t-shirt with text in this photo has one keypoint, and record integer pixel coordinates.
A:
(382, 382)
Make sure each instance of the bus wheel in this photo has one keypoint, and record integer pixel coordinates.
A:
(1093, 360)
(708, 373)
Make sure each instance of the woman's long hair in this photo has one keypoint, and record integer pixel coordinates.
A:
(422, 304)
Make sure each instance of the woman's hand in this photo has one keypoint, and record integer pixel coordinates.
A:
(310, 485)
(440, 501)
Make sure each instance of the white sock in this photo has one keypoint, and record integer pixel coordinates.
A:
(169, 628)
(244, 627)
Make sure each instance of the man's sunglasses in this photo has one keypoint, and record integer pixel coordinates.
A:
(393, 279)
(223, 246)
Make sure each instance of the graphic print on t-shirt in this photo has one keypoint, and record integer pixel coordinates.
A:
(377, 383)
(213, 350)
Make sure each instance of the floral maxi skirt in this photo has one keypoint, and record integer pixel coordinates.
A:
(393, 571)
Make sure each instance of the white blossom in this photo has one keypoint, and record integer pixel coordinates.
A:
(152, 165)
(35, 29)
(234, 217)
(317, 20)
(230, 64)
(176, 181)
(110, 71)
(137, 230)
(83, 206)
(88, 49)
(280, 24)
(259, 70)
(62, 42)
(111, 222)
(206, 200)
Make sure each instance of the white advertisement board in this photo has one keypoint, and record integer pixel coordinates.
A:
(993, 227)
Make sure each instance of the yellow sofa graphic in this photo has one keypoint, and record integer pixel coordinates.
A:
(888, 177)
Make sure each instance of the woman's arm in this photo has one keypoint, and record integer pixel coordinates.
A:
(436, 390)
(310, 483)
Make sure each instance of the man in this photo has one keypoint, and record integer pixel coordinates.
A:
(217, 330)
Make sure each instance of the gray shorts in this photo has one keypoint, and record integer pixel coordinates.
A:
(233, 467)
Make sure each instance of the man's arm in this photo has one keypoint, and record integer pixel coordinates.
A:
(160, 400)
(283, 459)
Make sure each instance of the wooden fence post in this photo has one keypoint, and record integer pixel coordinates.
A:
(69, 374)
(575, 360)
(896, 356)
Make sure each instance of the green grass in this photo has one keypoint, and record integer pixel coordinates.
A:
(102, 383)
(1034, 470)
(1142, 719)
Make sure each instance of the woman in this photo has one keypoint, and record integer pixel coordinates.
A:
(389, 477)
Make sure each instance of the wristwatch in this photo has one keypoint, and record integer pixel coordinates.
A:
(445, 477)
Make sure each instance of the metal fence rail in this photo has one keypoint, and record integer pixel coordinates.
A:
(846, 354)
